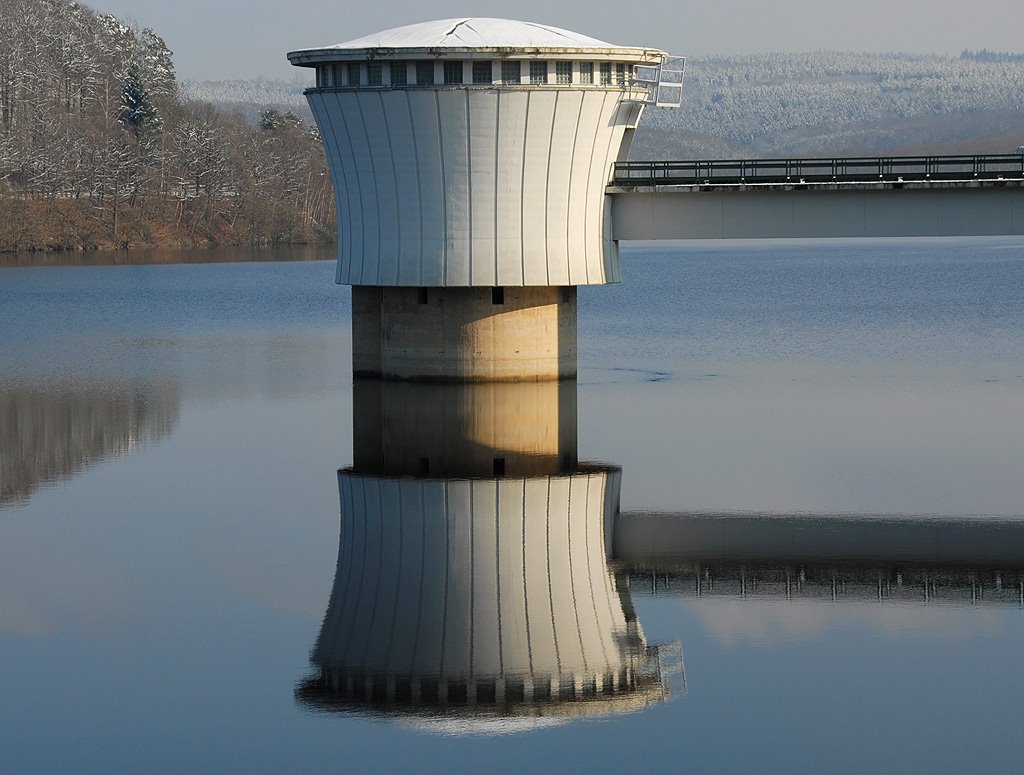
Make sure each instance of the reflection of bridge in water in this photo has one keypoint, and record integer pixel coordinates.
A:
(900, 558)
(485, 577)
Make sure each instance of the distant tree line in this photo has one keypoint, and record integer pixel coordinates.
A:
(991, 56)
(99, 149)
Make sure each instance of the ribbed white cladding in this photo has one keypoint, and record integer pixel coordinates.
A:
(473, 186)
(476, 578)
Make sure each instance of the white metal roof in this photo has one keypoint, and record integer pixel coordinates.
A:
(475, 32)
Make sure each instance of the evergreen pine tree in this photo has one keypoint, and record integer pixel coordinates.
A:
(136, 108)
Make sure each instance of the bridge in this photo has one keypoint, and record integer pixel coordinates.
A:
(843, 558)
(886, 196)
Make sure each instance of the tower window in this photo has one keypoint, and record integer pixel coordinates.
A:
(453, 73)
(538, 72)
(458, 693)
(339, 74)
(563, 72)
(424, 73)
(399, 74)
(606, 73)
(374, 73)
(482, 72)
(510, 72)
(429, 691)
(403, 690)
(586, 72)
(515, 691)
(353, 73)
(422, 296)
(620, 74)
(498, 295)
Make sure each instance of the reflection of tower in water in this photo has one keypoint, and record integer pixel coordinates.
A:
(473, 571)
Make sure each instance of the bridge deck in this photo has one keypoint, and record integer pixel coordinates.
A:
(920, 196)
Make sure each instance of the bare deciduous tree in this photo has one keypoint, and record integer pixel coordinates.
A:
(96, 141)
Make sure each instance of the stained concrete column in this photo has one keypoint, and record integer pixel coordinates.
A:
(511, 334)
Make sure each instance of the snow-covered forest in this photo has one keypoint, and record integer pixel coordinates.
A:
(100, 148)
(827, 103)
(248, 98)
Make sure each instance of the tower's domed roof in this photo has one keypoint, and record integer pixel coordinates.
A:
(473, 38)
(475, 33)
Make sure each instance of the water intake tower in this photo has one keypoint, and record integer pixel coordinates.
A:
(470, 159)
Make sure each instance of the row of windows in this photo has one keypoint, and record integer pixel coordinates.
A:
(479, 71)
(358, 686)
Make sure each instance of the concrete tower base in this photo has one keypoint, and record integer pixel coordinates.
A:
(464, 431)
(482, 334)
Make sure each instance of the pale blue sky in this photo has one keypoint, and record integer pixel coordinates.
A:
(249, 38)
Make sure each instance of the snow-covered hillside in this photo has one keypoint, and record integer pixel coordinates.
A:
(823, 102)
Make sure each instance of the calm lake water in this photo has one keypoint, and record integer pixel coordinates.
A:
(777, 525)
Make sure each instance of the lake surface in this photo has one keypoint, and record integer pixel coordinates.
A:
(778, 523)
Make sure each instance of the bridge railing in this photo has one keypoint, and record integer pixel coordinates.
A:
(880, 169)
